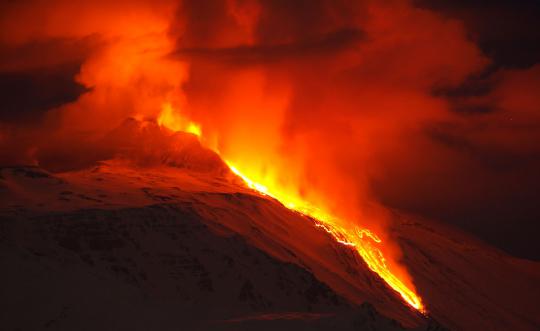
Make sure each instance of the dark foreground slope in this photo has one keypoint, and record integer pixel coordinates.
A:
(156, 268)
(75, 256)
(118, 247)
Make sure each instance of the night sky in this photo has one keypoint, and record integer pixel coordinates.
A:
(507, 212)
(462, 145)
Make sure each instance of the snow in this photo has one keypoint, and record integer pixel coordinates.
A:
(119, 246)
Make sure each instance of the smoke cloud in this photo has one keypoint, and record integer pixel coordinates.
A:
(352, 104)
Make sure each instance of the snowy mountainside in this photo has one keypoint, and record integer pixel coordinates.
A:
(120, 246)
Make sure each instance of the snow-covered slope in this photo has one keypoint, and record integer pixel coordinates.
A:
(100, 249)
(125, 247)
(467, 284)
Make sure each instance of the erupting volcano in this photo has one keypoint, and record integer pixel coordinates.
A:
(268, 164)
(362, 240)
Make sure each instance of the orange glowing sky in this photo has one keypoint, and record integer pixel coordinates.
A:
(349, 106)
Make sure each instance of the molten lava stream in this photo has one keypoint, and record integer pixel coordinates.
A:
(363, 240)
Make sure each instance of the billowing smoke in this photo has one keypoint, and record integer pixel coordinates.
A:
(347, 103)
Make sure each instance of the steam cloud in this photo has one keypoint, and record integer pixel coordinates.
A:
(353, 103)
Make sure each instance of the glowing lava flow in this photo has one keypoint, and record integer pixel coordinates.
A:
(362, 240)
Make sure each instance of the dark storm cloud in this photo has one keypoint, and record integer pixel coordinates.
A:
(199, 17)
(277, 20)
(305, 19)
(508, 31)
(27, 95)
(327, 45)
(45, 52)
(39, 75)
(475, 86)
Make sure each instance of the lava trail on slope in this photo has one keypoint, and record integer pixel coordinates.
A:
(121, 221)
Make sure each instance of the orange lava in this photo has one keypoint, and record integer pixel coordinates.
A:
(364, 241)
(173, 121)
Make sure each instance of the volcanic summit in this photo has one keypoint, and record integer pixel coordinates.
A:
(269, 165)
(175, 238)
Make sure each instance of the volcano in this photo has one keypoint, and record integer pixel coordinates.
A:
(171, 238)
